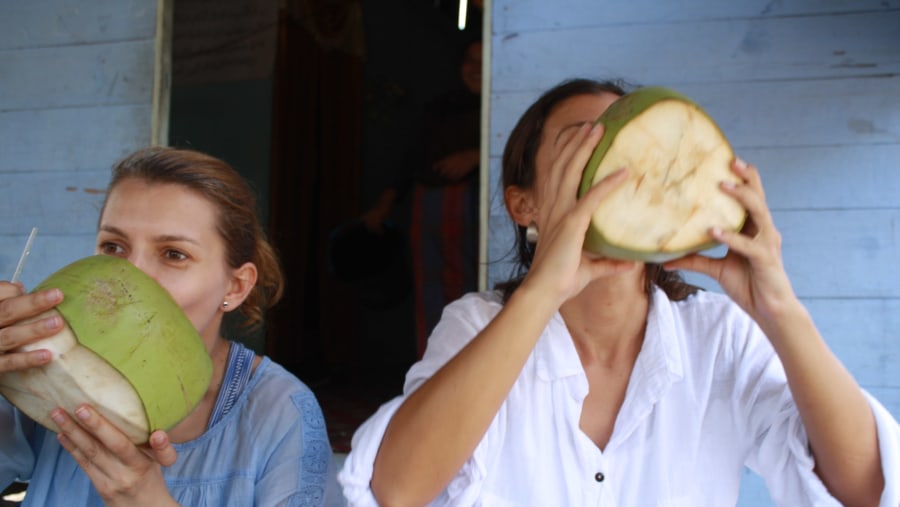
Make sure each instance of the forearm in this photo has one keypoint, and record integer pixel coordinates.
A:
(155, 499)
(438, 427)
(835, 413)
(386, 200)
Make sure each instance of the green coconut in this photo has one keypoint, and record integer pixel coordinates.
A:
(676, 158)
(127, 349)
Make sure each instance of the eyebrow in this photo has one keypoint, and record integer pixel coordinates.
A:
(567, 127)
(163, 238)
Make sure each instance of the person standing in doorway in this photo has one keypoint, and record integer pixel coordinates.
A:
(442, 173)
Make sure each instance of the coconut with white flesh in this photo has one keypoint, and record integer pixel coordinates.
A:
(127, 349)
(676, 158)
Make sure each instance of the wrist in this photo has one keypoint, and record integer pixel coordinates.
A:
(535, 299)
(154, 501)
(167, 501)
(786, 322)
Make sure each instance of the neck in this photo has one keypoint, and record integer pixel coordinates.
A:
(607, 319)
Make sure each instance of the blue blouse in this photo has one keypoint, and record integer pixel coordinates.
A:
(266, 445)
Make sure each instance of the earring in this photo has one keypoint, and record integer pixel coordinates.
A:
(531, 233)
(224, 304)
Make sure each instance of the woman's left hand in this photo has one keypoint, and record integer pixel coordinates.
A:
(752, 272)
(457, 165)
(836, 416)
(123, 473)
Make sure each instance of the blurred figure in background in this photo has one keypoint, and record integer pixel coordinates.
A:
(442, 173)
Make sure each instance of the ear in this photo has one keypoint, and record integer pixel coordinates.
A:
(243, 279)
(520, 205)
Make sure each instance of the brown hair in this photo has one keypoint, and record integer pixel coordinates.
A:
(238, 223)
(518, 167)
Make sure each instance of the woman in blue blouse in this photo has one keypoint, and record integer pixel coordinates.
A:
(256, 438)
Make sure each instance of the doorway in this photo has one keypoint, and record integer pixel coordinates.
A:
(315, 103)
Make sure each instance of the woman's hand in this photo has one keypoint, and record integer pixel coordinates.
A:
(457, 165)
(837, 417)
(16, 308)
(124, 474)
(374, 218)
(560, 261)
(751, 273)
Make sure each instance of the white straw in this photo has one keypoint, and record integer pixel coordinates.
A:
(25, 253)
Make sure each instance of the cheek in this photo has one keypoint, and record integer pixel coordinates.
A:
(543, 166)
(540, 184)
(183, 295)
(194, 298)
(200, 309)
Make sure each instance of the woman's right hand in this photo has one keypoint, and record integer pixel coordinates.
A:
(122, 473)
(16, 330)
(560, 261)
(375, 216)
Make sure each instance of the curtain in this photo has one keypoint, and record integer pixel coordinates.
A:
(316, 171)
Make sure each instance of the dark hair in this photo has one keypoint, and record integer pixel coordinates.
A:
(519, 170)
(238, 223)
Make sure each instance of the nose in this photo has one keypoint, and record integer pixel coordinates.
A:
(144, 263)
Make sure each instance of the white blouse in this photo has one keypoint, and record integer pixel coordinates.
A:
(707, 396)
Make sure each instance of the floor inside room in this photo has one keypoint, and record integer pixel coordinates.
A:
(348, 400)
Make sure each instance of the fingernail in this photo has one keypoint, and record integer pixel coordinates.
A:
(740, 163)
(715, 232)
(44, 356)
(729, 185)
(53, 296)
(596, 128)
(83, 413)
(52, 322)
(157, 438)
(57, 416)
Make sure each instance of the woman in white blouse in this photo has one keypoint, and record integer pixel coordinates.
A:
(598, 382)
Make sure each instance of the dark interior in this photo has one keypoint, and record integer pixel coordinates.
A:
(319, 139)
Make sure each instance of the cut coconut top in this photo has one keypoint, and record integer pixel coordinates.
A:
(676, 157)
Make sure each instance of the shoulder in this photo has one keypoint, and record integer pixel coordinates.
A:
(287, 427)
(271, 374)
(707, 310)
(279, 403)
(274, 385)
(463, 318)
(460, 322)
(475, 306)
(712, 327)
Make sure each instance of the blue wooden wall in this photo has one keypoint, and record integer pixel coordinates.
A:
(76, 81)
(808, 90)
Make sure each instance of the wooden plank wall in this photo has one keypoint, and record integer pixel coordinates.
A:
(807, 90)
(76, 82)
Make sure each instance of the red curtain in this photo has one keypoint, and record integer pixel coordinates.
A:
(316, 170)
